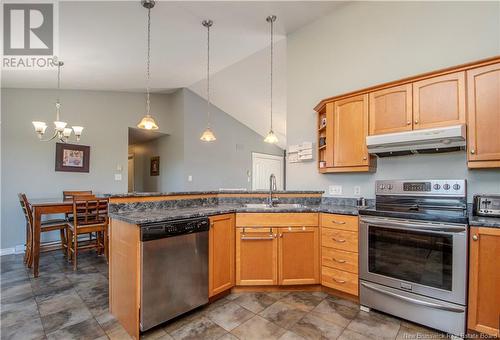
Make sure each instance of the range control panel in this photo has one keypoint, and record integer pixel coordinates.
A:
(436, 187)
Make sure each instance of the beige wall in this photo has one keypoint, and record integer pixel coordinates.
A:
(366, 43)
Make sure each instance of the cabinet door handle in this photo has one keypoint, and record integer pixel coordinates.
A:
(339, 261)
(416, 122)
(338, 240)
(472, 151)
(475, 238)
(364, 158)
(408, 123)
(339, 281)
(338, 222)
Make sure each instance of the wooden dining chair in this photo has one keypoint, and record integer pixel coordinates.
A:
(90, 215)
(68, 195)
(47, 225)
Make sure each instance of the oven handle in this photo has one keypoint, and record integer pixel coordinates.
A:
(414, 226)
(413, 300)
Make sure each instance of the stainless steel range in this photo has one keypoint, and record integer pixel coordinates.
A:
(413, 252)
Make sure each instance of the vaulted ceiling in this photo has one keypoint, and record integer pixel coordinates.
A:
(103, 46)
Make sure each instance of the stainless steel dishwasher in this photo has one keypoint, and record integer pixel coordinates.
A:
(174, 269)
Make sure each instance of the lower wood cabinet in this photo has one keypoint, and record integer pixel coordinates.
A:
(221, 254)
(298, 255)
(277, 256)
(339, 252)
(256, 256)
(484, 280)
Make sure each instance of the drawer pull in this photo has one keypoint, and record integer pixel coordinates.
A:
(339, 261)
(252, 238)
(338, 222)
(338, 240)
(338, 281)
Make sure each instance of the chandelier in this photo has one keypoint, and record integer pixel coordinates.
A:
(61, 132)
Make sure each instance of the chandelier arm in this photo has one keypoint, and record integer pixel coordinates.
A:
(51, 138)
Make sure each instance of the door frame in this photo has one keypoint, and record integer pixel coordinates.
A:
(269, 156)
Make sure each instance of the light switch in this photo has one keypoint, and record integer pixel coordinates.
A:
(118, 177)
(357, 190)
(190, 178)
(335, 190)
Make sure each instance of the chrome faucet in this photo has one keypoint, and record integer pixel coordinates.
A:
(272, 187)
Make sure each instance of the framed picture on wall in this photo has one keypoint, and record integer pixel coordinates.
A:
(155, 166)
(72, 157)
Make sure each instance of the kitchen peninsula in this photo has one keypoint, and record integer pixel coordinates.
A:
(250, 244)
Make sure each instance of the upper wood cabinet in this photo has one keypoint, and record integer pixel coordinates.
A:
(298, 255)
(439, 101)
(484, 281)
(350, 125)
(256, 256)
(221, 252)
(391, 110)
(483, 97)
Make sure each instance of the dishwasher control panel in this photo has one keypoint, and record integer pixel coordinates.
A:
(158, 230)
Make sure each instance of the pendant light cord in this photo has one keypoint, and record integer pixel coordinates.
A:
(148, 75)
(271, 99)
(208, 75)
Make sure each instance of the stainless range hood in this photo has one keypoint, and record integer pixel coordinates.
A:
(443, 139)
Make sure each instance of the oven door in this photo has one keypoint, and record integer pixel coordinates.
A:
(429, 259)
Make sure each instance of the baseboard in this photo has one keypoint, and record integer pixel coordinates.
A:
(13, 250)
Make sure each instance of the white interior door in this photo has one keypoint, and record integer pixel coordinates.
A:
(263, 166)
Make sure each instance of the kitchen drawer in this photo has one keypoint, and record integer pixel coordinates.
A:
(339, 259)
(339, 239)
(344, 222)
(340, 280)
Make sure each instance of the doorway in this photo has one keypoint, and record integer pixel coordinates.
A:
(130, 172)
(263, 165)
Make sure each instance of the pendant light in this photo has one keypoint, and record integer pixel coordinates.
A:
(61, 132)
(208, 134)
(271, 137)
(148, 122)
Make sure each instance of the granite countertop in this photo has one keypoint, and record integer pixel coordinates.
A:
(143, 216)
(482, 221)
(211, 192)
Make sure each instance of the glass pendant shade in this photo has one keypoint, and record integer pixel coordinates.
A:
(208, 135)
(148, 123)
(40, 128)
(67, 132)
(271, 138)
(60, 125)
(78, 131)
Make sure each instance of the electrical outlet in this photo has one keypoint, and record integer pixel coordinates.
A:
(118, 177)
(335, 190)
(190, 178)
(357, 190)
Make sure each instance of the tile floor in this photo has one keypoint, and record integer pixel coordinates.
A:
(62, 304)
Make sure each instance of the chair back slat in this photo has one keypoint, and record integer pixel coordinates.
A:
(25, 206)
(88, 209)
(69, 194)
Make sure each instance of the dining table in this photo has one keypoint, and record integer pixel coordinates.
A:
(41, 207)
